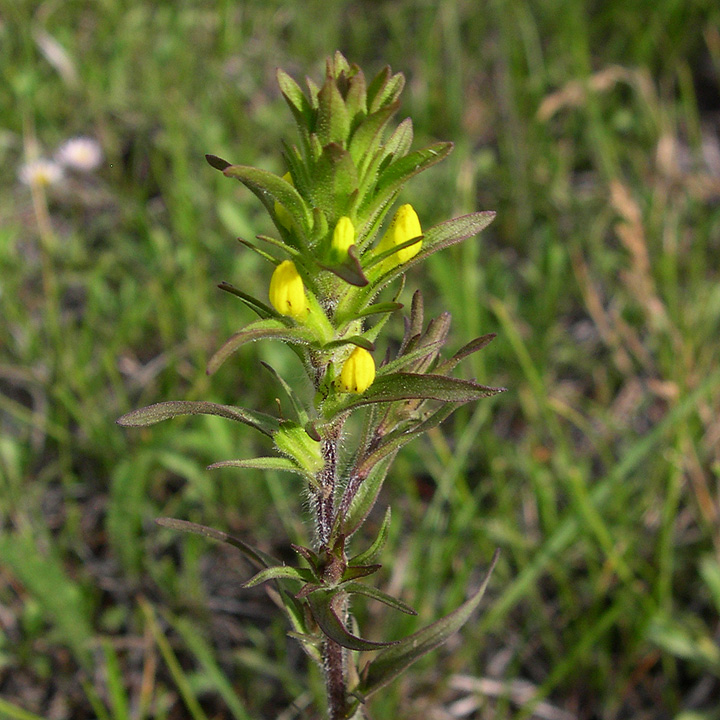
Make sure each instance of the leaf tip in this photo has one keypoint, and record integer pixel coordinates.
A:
(217, 162)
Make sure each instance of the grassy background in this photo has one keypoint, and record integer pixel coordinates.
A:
(592, 129)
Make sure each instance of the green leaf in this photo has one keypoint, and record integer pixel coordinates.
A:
(269, 188)
(260, 329)
(396, 439)
(367, 556)
(326, 607)
(356, 96)
(280, 572)
(410, 357)
(262, 463)
(263, 310)
(472, 347)
(368, 135)
(257, 556)
(334, 181)
(384, 89)
(292, 395)
(357, 340)
(405, 386)
(389, 663)
(356, 588)
(297, 101)
(333, 120)
(152, 414)
(364, 499)
(400, 171)
(400, 141)
(385, 307)
(438, 238)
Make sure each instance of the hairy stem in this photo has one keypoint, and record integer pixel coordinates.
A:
(334, 655)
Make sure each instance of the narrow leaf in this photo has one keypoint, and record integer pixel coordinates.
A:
(389, 663)
(405, 386)
(261, 463)
(280, 572)
(325, 606)
(263, 310)
(357, 340)
(378, 544)
(385, 307)
(257, 556)
(356, 588)
(440, 237)
(296, 99)
(472, 347)
(400, 171)
(294, 399)
(260, 329)
(266, 184)
(365, 496)
(396, 439)
(152, 414)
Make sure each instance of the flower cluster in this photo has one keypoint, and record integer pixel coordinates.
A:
(337, 251)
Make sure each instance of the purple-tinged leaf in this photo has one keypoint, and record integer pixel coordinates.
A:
(326, 607)
(217, 163)
(152, 414)
(353, 572)
(351, 271)
(257, 556)
(472, 347)
(389, 663)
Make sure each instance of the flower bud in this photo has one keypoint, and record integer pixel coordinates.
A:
(404, 226)
(281, 213)
(287, 292)
(343, 237)
(358, 372)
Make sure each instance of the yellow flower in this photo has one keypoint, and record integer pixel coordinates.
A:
(343, 237)
(287, 292)
(404, 226)
(358, 372)
(282, 214)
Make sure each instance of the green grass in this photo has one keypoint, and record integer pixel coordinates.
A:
(597, 474)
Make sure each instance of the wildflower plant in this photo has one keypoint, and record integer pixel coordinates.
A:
(336, 281)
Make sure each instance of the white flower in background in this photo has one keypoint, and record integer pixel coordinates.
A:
(80, 153)
(41, 172)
